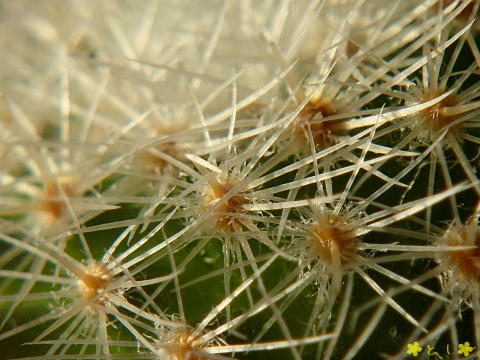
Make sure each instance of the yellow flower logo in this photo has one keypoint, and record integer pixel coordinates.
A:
(414, 348)
(464, 348)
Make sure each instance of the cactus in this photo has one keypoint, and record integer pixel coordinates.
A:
(187, 180)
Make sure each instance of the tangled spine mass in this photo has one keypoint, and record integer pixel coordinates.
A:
(189, 180)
